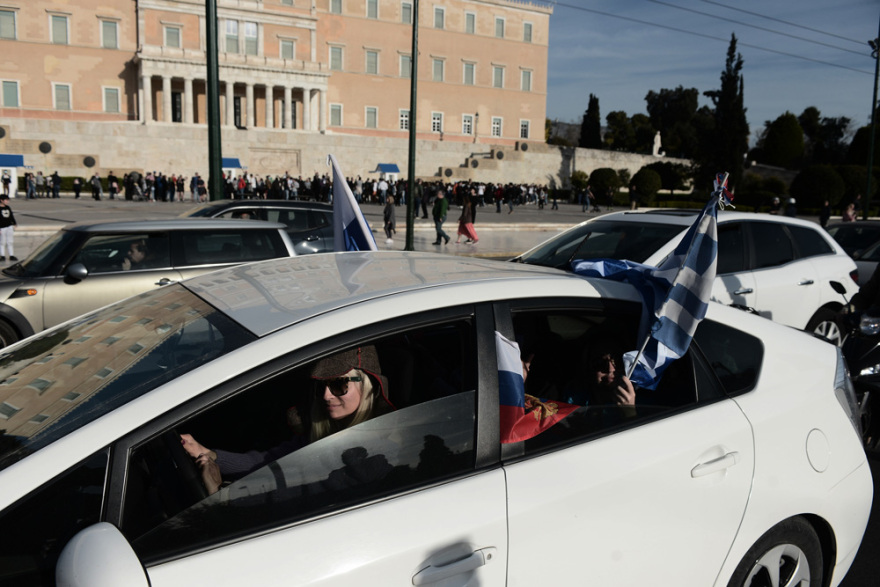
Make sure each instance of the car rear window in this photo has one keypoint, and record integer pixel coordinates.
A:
(228, 246)
(735, 356)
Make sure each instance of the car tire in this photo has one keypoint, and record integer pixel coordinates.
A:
(785, 556)
(825, 324)
(8, 335)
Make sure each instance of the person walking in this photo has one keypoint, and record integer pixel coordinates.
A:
(31, 182)
(441, 207)
(825, 214)
(7, 230)
(77, 187)
(113, 185)
(466, 224)
(97, 190)
(388, 215)
(41, 184)
(6, 181)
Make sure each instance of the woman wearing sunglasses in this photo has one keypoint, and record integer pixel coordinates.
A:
(349, 389)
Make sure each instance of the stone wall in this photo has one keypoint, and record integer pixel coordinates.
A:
(176, 149)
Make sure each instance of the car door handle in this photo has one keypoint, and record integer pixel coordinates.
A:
(469, 563)
(805, 282)
(165, 281)
(715, 465)
(745, 290)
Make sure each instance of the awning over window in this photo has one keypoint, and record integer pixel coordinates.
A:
(387, 168)
(11, 160)
(230, 163)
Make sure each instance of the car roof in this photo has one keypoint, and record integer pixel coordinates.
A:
(228, 203)
(270, 295)
(206, 224)
(685, 216)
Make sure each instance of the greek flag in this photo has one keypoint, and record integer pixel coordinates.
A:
(350, 229)
(676, 294)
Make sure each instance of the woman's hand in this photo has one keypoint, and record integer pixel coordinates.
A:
(194, 449)
(210, 473)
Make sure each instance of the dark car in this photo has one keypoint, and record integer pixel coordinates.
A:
(860, 241)
(309, 224)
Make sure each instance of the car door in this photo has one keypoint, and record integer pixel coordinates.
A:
(734, 283)
(610, 495)
(109, 278)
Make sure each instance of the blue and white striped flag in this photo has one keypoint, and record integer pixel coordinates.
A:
(350, 229)
(677, 293)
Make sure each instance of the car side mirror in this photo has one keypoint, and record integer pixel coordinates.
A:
(77, 272)
(858, 254)
(99, 556)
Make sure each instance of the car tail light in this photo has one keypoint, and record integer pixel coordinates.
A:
(855, 275)
(846, 393)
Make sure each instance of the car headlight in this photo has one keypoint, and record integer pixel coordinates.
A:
(872, 370)
(846, 393)
(869, 325)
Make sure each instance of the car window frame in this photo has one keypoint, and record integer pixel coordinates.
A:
(486, 443)
(178, 240)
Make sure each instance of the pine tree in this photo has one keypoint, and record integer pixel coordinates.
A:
(591, 126)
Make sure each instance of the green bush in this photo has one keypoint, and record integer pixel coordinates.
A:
(647, 183)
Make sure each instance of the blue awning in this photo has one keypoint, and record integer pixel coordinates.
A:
(230, 163)
(11, 160)
(387, 168)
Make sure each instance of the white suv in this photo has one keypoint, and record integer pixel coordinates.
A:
(781, 267)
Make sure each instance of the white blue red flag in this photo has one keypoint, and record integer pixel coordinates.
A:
(677, 293)
(523, 416)
(350, 229)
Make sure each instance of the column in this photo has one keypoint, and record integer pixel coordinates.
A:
(146, 99)
(166, 98)
(287, 110)
(307, 109)
(230, 98)
(322, 110)
(270, 106)
(249, 98)
(188, 100)
(313, 49)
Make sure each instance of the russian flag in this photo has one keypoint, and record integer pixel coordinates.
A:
(523, 416)
(350, 229)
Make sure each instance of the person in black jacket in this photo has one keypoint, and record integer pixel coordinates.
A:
(7, 229)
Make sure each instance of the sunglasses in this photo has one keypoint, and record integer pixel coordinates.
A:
(338, 386)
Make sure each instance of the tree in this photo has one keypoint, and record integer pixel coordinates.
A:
(579, 180)
(673, 176)
(723, 148)
(672, 113)
(619, 133)
(783, 142)
(860, 146)
(815, 184)
(604, 183)
(591, 127)
(647, 183)
(826, 137)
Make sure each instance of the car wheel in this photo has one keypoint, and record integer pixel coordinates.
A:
(8, 335)
(788, 555)
(824, 323)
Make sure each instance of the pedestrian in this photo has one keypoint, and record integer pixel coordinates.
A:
(389, 218)
(97, 189)
(31, 182)
(775, 207)
(592, 200)
(825, 214)
(849, 215)
(56, 185)
(6, 181)
(791, 208)
(113, 185)
(438, 211)
(7, 229)
(41, 184)
(466, 225)
(77, 187)
(633, 197)
(194, 184)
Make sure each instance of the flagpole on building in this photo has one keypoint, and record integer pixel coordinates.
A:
(413, 97)
(215, 154)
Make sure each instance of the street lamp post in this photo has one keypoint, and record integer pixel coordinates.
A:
(413, 99)
(875, 53)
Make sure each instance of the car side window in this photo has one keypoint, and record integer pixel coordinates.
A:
(809, 242)
(320, 219)
(123, 252)
(227, 246)
(296, 220)
(284, 458)
(731, 248)
(735, 357)
(574, 356)
(771, 245)
(37, 528)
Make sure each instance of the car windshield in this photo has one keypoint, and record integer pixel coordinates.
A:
(66, 377)
(40, 261)
(602, 239)
(202, 210)
(855, 237)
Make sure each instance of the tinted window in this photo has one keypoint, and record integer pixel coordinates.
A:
(275, 472)
(855, 236)
(48, 258)
(735, 356)
(124, 252)
(809, 242)
(731, 248)
(771, 245)
(228, 246)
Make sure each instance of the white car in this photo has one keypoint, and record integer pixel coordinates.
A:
(781, 267)
(746, 454)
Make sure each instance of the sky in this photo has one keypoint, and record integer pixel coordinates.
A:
(641, 45)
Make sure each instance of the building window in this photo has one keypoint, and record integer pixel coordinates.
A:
(499, 27)
(335, 114)
(497, 77)
(406, 9)
(287, 48)
(405, 66)
(232, 36)
(496, 126)
(437, 74)
(251, 40)
(336, 58)
(526, 82)
(372, 8)
(470, 23)
(10, 94)
(468, 74)
(404, 120)
(527, 32)
(336, 6)
(292, 107)
(59, 29)
(7, 24)
(287, 2)
(467, 124)
(111, 100)
(523, 129)
(176, 107)
(109, 36)
(172, 37)
(436, 122)
(372, 66)
(371, 117)
(439, 17)
(236, 111)
(61, 95)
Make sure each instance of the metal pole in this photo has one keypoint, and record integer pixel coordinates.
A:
(215, 153)
(413, 98)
